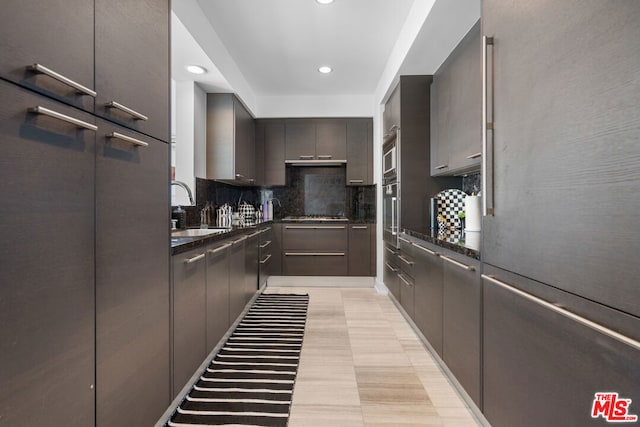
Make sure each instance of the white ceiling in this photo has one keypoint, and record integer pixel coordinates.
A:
(279, 44)
(268, 51)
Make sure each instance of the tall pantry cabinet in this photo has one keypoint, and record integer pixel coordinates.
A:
(561, 301)
(84, 259)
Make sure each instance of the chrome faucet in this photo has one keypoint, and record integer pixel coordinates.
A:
(186, 187)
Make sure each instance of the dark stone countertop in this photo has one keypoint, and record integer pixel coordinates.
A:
(184, 244)
(467, 244)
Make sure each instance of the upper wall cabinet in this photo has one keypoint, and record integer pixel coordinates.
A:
(391, 115)
(131, 63)
(49, 51)
(314, 140)
(270, 166)
(456, 108)
(360, 152)
(230, 140)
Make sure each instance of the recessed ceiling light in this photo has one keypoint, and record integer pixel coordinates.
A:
(325, 69)
(196, 69)
(324, 1)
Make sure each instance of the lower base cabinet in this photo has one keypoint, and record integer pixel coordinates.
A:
(189, 315)
(361, 245)
(461, 321)
(428, 293)
(542, 368)
(217, 290)
(390, 272)
(237, 264)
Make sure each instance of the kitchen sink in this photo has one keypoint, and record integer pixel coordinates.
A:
(197, 232)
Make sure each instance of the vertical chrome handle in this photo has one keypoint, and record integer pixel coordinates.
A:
(394, 231)
(128, 139)
(63, 117)
(487, 125)
(125, 109)
(39, 68)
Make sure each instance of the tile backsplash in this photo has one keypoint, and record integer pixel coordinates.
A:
(309, 191)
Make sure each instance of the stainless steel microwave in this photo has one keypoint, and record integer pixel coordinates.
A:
(389, 162)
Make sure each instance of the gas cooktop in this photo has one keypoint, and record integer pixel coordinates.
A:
(302, 218)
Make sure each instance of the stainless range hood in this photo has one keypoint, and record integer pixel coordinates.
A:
(316, 162)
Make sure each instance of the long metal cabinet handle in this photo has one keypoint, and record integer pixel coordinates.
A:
(390, 250)
(242, 239)
(402, 239)
(128, 139)
(390, 267)
(356, 181)
(394, 229)
(487, 125)
(566, 313)
(315, 227)
(125, 109)
(264, 261)
(325, 157)
(474, 156)
(38, 109)
(314, 253)
(39, 68)
(194, 259)
(265, 244)
(406, 261)
(458, 263)
(254, 234)
(305, 157)
(429, 251)
(404, 280)
(220, 249)
(442, 166)
(359, 227)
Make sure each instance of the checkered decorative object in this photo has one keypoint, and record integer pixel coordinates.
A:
(450, 203)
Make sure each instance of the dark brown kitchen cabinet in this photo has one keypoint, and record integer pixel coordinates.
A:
(132, 270)
(217, 293)
(237, 263)
(538, 354)
(331, 139)
(461, 320)
(456, 109)
(276, 250)
(428, 293)
(390, 273)
(188, 315)
(270, 166)
(566, 131)
(58, 36)
(391, 114)
(360, 236)
(47, 261)
(252, 254)
(230, 140)
(265, 257)
(300, 139)
(132, 64)
(315, 250)
(360, 152)
(316, 139)
(406, 280)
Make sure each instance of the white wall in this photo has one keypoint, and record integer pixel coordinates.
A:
(189, 116)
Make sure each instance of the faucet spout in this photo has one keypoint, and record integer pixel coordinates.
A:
(186, 187)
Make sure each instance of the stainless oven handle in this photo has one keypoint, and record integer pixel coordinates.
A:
(394, 228)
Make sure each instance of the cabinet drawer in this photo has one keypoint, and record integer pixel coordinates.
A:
(406, 259)
(315, 237)
(307, 263)
(407, 294)
(536, 357)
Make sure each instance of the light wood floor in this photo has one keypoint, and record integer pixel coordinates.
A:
(362, 365)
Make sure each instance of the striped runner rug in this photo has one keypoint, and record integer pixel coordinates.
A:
(250, 381)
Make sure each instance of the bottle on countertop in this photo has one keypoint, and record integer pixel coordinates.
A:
(270, 209)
